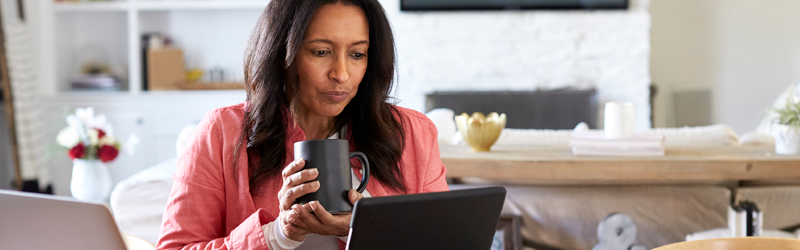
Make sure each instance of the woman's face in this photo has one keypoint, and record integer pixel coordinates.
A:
(332, 59)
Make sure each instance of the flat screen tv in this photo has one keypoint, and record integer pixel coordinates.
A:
(428, 5)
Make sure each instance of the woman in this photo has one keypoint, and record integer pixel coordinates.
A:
(314, 69)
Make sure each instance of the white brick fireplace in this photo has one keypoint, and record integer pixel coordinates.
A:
(524, 50)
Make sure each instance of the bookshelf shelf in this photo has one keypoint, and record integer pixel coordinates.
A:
(117, 26)
(67, 7)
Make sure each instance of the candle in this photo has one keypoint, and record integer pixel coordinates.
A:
(618, 120)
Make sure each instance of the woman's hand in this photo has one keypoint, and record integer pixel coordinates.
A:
(296, 183)
(322, 222)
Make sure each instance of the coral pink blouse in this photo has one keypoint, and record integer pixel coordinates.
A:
(210, 206)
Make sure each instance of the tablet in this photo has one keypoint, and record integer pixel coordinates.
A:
(36, 221)
(463, 219)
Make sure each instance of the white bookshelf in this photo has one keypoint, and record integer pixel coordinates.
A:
(211, 32)
(68, 24)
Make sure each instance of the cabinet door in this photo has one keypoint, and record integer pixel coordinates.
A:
(170, 117)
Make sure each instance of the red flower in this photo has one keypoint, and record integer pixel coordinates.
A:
(100, 133)
(107, 153)
(77, 152)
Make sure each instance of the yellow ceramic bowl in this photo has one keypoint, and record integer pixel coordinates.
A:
(480, 131)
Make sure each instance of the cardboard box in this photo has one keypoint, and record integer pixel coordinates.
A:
(165, 69)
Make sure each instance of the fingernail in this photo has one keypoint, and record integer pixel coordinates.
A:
(353, 195)
(314, 171)
(314, 205)
(316, 183)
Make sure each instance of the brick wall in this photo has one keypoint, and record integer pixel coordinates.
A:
(525, 50)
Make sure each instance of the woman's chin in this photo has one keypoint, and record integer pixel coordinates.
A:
(335, 110)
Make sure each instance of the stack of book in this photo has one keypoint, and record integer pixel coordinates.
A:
(595, 143)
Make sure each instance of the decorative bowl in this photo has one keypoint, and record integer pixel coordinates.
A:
(479, 131)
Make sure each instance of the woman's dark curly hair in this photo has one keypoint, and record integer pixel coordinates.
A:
(374, 125)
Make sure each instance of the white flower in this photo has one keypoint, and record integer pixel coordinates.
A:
(93, 136)
(86, 115)
(107, 140)
(68, 137)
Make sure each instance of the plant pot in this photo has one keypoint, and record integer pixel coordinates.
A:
(787, 141)
(90, 181)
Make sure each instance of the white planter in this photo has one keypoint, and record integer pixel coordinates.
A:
(787, 141)
(90, 181)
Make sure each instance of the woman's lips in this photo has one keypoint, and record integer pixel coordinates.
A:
(336, 96)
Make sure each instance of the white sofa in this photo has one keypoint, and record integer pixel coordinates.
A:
(138, 202)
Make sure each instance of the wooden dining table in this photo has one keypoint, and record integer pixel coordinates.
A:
(557, 165)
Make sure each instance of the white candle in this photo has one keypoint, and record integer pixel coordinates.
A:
(618, 120)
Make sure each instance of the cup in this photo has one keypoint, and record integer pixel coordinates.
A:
(332, 158)
(618, 119)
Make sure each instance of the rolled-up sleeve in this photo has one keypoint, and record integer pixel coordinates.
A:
(196, 211)
(435, 173)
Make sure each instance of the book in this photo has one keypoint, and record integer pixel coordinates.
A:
(597, 139)
(589, 151)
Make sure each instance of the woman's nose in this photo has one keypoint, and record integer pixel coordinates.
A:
(338, 72)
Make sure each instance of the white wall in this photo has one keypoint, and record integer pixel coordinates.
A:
(747, 52)
(684, 55)
(525, 50)
(759, 58)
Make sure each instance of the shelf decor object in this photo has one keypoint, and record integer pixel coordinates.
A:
(479, 131)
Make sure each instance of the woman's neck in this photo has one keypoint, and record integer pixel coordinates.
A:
(315, 126)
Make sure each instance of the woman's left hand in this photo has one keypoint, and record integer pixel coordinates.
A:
(322, 222)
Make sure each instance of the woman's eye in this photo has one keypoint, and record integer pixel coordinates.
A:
(359, 56)
(320, 53)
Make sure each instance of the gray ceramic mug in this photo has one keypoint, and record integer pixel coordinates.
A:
(332, 158)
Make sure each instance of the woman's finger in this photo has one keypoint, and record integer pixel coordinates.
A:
(311, 221)
(323, 215)
(301, 177)
(294, 218)
(293, 167)
(355, 196)
(291, 194)
(338, 225)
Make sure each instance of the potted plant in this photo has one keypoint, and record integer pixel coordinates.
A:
(90, 145)
(787, 126)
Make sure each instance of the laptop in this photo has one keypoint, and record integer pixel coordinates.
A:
(463, 219)
(36, 221)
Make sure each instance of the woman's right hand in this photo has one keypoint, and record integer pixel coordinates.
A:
(296, 183)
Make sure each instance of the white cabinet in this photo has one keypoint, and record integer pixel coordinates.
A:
(156, 118)
(212, 33)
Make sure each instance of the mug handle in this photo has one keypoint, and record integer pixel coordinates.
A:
(365, 166)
